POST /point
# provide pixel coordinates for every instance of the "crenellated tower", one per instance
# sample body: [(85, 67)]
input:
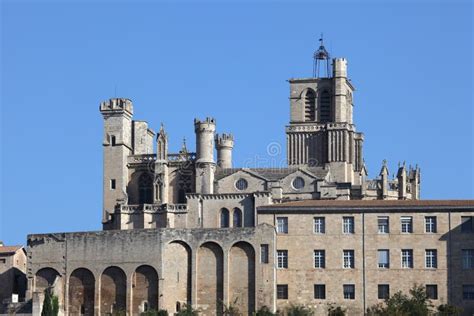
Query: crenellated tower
[(205, 165), (224, 146)]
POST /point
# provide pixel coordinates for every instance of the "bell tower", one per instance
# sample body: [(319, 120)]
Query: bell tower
[(321, 130)]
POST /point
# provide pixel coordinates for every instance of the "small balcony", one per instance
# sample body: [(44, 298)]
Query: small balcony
[(154, 208)]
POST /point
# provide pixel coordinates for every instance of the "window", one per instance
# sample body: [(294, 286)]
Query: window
[(145, 189), (112, 184), (407, 224), (319, 225), (282, 259), (468, 291), (309, 105), (325, 107), (430, 224), (432, 291), (241, 184), (113, 140), (264, 258), (349, 291), (467, 224), (431, 258), (468, 258), (224, 218), (383, 225), (282, 225), (407, 258), (384, 258), (320, 291), (3, 260), (282, 291), (348, 259), (348, 225), (298, 183), (237, 217), (319, 259), (383, 291)]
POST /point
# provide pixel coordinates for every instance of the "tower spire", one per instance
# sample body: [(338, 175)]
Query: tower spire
[(321, 57)]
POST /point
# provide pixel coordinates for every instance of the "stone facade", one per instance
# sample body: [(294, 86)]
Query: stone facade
[(184, 228), (12, 276)]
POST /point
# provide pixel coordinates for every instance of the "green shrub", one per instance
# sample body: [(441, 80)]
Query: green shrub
[(299, 310), (264, 311)]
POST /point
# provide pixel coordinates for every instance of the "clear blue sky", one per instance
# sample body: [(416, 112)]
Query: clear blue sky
[(411, 62)]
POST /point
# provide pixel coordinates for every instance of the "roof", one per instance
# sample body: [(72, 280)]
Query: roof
[(9, 249), (368, 204), (272, 174)]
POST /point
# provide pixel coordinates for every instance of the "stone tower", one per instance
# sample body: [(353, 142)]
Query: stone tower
[(117, 145), (321, 131), (205, 165), (224, 146)]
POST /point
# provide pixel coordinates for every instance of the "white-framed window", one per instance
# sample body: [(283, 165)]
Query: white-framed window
[(282, 259), (348, 224), (349, 291), (430, 224), (383, 258), (348, 259), (407, 258), (319, 259), (468, 258), (431, 258), (319, 225), (383, 224), (407, 224), (282, 225)]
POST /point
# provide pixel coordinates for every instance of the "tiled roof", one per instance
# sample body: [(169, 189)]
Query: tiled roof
[(9, 249), (345, 204)]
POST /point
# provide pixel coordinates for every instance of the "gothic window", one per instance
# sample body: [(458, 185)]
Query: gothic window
[(237, 217), (241, 184), (309, 105), (325, 107), (145, 189), (224, 218), (298, 183)]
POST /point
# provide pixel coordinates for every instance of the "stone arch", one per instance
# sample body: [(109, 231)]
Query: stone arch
[(49, 278), (81, 292), (224, 218), (210, 278), (113, 290), (177, 268), (237, 220), (145, 289), (242, 277)]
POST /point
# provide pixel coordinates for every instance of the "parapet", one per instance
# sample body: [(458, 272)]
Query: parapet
[(117, 105), (207, 125), (339, 66), (224, 140)]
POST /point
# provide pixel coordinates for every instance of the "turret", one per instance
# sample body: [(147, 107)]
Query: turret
[(342, 92), (205, 165), (224, 146), (161, 167), (402, 182), (117, 146), (205, 139), (415, 178), (384, 179)]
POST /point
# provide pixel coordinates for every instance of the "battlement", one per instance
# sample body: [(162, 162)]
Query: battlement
[(339, 66), (117, 105), (207, 125), (224, 140)]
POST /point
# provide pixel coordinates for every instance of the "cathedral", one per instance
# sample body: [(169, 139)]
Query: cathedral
[(189, 228)]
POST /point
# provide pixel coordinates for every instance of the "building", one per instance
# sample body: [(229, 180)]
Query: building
[(189, 228), (12, 275)]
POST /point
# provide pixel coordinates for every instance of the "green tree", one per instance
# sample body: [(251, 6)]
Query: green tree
[(187, 310), (153, 312), (336, 311), (50, 304), (264, 311), (448, 310), (299, 310)]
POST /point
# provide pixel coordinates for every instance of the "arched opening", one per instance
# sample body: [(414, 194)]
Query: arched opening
[(81, 292), (309, 105), (210, 278), (145, 189), (177, 264), (145, 289), (237, 217), (49, 278), (325, 107), (224, 218), (113, 289), (242, 277)]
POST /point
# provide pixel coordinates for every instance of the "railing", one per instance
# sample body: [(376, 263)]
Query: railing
[(154, 208), (141, 158), (182, 157)]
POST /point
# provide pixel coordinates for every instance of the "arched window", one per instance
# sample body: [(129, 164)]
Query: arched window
[(237, 217), (145, 189), (309, 105), (325, 107), (224, 218)]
